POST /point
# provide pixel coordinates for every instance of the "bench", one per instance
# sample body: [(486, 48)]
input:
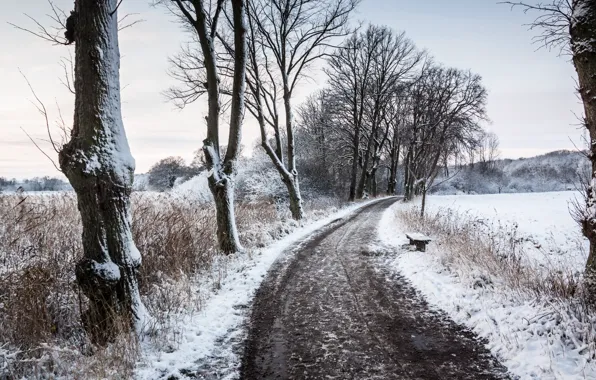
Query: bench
[(419, 240)]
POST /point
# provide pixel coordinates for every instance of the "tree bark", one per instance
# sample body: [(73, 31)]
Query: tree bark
[(355, 158), (423, 205), (583, 44), (227, 235), (100, 168), (393, 170), (364, 174), (291, 183), (373, 182)]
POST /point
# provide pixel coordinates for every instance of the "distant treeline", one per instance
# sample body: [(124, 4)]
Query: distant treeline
[(34, 184), (555, 171)]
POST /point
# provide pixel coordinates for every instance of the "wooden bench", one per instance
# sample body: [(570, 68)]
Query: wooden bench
[(419, 240)]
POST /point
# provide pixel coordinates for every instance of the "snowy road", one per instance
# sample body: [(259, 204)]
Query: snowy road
[(327, 311)]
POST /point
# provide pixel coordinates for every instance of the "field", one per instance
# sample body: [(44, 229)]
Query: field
[(542, 221), (507, 266)]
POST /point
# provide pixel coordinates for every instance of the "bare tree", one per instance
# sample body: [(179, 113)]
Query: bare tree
[(202, 17), (100, 168), (349, 71), (488, 152), (571, 25), (286, 38), (393, 64), (446, 108)]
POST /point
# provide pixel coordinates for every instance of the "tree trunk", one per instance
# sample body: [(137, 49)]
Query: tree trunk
[(583, 44), (292, 184), (408, 176), (221, 178), (373, 182), (393, 170), (423, 205), (100, 168), (364, 175), (355, 158), (227, 233), (293, 187)]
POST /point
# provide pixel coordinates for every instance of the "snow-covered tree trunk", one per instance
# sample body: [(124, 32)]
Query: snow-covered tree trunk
[(292, 182), (583, 45), (100, 167), (295, 198), (223, 195)]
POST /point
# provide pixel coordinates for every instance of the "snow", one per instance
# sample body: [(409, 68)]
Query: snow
[(417, 236), (542, 220), (196, 188), (535, 338), (223, 315), (580, 11), (107, 270)]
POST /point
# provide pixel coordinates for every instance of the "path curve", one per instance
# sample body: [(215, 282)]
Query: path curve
[(326, 310)]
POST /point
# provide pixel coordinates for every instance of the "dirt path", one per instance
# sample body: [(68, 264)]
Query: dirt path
[(326, 311)]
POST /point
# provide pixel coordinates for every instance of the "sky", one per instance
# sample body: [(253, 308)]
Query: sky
[(532, 101)]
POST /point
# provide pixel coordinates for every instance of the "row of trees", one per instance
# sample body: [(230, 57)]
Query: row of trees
[(388, 104), (33, 184)]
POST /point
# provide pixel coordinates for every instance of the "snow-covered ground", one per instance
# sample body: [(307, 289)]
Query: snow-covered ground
[(207, 340), (551, 236), (534, 338)]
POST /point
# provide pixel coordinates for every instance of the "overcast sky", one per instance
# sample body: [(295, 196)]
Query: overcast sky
[(532, 101)]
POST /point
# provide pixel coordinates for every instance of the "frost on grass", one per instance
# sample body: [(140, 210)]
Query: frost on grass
[(534, 332)]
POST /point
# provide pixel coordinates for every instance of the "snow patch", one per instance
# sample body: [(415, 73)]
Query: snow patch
[(108, 270)]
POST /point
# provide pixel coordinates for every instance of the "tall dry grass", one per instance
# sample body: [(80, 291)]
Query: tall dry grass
[(496, 249), (495, 256), (41, 334)]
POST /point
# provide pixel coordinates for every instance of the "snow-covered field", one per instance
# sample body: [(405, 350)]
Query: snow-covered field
[(535, 338), (551, 237)]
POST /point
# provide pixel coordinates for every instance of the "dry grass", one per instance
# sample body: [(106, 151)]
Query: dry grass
[(495, 255), (496, 250), (40, 329)]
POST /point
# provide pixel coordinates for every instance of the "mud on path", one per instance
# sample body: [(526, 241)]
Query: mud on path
[(327, 311)]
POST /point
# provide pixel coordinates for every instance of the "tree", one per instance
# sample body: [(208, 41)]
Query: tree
[(446, 107), (488, 152), (203, 16), (349, 79), (100, 168), (366, 75), (325, 151), (163, 174), (286, 38), (571, 25)]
